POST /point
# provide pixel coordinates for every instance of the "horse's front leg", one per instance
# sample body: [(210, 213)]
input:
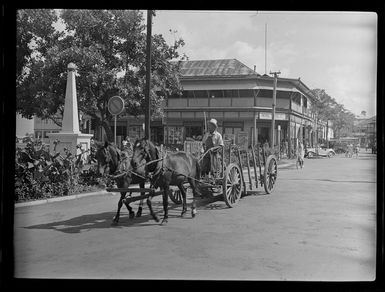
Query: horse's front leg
[(150, 208), (195, 195), (115, 220), (140, 208), (129, 208), (184, 203), (165, 205)]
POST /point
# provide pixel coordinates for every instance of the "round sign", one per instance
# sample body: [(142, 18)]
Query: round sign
[(115, 105)]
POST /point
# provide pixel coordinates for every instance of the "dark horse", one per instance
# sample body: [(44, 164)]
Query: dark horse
[(110, 160), (172, 169)]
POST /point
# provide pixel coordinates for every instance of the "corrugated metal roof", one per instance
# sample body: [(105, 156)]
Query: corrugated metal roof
[(222, 67)]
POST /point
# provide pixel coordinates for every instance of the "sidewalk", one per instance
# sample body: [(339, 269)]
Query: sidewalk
[(57, 199)]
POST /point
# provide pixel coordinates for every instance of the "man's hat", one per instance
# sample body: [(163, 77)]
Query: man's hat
[(214, 122)]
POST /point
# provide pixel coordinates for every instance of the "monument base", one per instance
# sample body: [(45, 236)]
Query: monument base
[(69, 141)]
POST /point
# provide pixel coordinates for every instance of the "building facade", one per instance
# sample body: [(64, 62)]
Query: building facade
[(365, 129), (241, 101)]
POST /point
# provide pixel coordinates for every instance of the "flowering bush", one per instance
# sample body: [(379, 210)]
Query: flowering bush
[(40, 174)]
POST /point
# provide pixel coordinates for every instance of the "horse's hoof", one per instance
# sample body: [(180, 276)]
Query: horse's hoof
[(183, 213), (193, 213), (139, 213), (115, 221), (132, 215), (164, 221), (156, 218)]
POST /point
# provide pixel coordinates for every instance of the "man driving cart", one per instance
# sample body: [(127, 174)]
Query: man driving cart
[(211, 139)]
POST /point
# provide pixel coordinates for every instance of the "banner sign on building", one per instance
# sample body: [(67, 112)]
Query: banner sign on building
[(268, 116)]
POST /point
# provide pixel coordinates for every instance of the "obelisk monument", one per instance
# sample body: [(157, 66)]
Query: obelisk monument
[(70, 136)]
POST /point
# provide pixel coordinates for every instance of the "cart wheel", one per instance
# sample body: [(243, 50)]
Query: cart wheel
[(232, 185), (270, 174), (175, 196)]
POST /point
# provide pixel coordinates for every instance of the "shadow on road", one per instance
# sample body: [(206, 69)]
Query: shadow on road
[(104, 220)]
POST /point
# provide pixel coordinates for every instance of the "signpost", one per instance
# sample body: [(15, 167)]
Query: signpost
[(115, 107)]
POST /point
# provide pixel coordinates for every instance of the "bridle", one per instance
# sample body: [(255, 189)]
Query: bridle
[(149, 160)]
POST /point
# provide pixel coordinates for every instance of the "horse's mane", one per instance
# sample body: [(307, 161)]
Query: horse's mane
[(152, 149)]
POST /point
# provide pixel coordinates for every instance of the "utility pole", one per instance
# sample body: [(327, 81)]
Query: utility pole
[(273, 108), (265, 47), (147, 114)]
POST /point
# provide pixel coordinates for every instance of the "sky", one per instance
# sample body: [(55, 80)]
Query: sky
[(334, 51)]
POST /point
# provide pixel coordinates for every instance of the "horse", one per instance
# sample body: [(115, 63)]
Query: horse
[(172, 169), (110, 159)]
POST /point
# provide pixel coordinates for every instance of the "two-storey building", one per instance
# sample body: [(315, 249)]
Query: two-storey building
[(241, 100)]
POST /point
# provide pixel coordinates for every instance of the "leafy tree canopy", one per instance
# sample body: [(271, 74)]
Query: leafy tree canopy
[(327, 108), (109, 50)]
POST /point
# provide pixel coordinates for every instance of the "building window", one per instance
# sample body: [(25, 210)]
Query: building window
[(120, 130), (135, 132), (265, 93), (200, 93), (296, 98), (283, 94), (188, 94), (216, 93), (231, 93), (195, 132), (231, 129), (305, 102), (246, 93), (175, 135), (38, 134)]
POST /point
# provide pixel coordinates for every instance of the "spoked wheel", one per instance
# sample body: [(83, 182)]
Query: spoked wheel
[(232, 185), (270, 174), (175, 196)]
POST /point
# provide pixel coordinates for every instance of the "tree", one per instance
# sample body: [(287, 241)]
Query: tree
[(324, 108), (328, 109), (35, 34), (108, 47)]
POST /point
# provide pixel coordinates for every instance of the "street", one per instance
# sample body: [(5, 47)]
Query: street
[(319, 224)]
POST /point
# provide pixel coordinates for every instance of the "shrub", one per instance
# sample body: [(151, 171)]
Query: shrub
[(40, 174)]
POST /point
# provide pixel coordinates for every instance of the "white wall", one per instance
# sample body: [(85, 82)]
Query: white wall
[(23, 126)]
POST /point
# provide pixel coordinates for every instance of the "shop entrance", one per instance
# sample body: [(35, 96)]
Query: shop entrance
[(263, 134)]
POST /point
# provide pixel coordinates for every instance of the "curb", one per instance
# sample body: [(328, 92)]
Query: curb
[(58, 199)]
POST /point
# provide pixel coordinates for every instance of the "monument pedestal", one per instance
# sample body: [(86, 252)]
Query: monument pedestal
[(70, 141)]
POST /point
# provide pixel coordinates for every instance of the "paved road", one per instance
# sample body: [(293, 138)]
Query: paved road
[(318, 224)]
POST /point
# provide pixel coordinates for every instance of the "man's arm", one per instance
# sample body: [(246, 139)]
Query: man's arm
[(220, 140)]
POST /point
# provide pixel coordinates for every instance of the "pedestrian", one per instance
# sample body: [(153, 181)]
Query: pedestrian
[(286, 148), (300, 155), (124, 143), (356, 150)]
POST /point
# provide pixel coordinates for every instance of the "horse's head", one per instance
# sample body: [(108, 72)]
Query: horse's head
[(144, 151), (107, 157)]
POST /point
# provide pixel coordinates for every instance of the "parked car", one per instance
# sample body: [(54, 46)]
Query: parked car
[(322, 151)]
